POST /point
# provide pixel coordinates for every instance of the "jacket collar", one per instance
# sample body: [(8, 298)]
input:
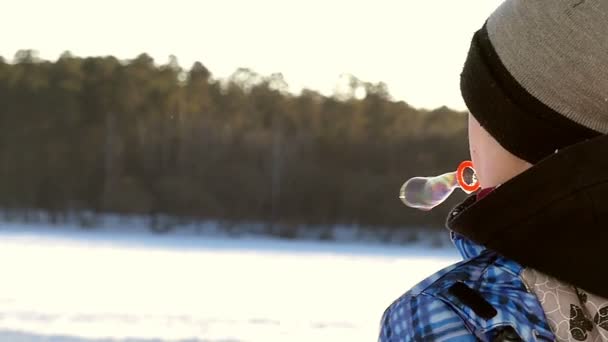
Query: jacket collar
[(467, 248)]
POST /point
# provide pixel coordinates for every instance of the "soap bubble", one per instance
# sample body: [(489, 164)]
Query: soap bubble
[(426, 193)]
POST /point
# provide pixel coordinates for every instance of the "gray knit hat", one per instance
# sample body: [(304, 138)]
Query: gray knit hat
[(537, 75)]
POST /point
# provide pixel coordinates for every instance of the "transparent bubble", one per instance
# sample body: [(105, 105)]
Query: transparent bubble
[(426, 193)]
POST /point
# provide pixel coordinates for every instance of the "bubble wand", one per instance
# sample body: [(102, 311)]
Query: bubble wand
[(426, 193)]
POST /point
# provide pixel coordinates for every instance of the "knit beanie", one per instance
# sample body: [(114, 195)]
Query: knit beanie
[(536, 76)]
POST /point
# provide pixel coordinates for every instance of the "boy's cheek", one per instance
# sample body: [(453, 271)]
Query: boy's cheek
[(493, 164), (474, 130), (479, 145)]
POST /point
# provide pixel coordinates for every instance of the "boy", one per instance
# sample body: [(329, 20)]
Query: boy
[(535, 239)]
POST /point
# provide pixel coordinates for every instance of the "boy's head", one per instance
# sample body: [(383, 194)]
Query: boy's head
[(535, 81)]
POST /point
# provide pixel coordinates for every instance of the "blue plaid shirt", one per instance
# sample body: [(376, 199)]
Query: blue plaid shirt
[(429, 312)]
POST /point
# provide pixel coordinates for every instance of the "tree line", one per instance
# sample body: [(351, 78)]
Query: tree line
[(105, 135)]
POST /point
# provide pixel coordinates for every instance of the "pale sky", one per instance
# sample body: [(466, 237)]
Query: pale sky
[(416, 47)]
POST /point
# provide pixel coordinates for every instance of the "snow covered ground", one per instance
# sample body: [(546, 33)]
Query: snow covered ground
[(66, 284)]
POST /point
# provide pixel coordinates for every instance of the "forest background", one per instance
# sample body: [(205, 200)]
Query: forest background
[(82, 137)]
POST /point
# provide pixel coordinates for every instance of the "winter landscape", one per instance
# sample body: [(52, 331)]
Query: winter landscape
[(69, 284), (223, 171)]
